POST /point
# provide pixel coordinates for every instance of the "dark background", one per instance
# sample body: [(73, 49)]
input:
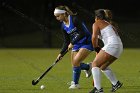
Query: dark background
[(31, 23)]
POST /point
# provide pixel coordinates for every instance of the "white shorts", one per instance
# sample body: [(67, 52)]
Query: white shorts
[(113, 49)]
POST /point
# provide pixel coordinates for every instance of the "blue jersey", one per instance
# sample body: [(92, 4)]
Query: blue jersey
[(76, 33)]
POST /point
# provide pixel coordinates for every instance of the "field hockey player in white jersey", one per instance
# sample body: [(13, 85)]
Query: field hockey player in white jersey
[(105, 28)]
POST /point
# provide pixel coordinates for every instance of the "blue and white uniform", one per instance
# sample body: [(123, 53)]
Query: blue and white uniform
[(77, 34)]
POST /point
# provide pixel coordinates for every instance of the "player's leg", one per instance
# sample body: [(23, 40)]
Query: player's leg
[(74, 84), (77, 58), (114, 54), (116, 84), (75, 50), (99, 60), (110, 75), (87, 67)]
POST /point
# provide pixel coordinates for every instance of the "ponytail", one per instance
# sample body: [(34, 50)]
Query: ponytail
[(109, 18), (69, 11)]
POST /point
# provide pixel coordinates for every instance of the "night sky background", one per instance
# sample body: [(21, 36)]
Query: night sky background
[(31, 23)]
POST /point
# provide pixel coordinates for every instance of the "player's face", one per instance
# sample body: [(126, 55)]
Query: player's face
[(59, 17)]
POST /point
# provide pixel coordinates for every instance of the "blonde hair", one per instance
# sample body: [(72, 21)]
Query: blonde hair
[(108, 14), (66, 8), (109, 18)]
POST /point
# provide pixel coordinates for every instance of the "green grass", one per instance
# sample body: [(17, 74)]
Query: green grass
[(18, 67)]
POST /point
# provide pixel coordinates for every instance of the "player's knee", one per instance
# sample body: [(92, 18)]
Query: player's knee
[(76, 62), (96, 63)]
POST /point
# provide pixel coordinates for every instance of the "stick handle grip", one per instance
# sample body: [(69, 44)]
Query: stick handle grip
[(61, 56)]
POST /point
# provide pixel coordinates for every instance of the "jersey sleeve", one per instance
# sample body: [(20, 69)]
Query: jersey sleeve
[(78, 23), (66, 41)]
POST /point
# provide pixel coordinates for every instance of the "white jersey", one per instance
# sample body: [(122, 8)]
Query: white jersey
[(112, 42), (109, 36)]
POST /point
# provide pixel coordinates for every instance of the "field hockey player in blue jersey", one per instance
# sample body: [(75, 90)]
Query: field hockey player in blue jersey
[(76, 38)]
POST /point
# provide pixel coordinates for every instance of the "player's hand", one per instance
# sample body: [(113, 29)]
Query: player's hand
[(59, 57), (96, 53), (70, 46)]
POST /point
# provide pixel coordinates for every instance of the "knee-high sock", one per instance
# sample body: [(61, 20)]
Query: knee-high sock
[(84, 66), (76, 74), (96, 77), (110, 75)]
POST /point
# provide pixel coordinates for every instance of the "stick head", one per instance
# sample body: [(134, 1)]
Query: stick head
[(35, 82)]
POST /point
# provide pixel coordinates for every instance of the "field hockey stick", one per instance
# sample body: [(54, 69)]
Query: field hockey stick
[(34, 82)]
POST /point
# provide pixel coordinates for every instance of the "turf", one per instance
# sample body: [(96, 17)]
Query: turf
[(18, 67)]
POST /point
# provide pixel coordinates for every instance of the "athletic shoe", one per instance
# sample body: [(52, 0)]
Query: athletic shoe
[(88, 72), (74, 86), (117, 86), (95, 90)]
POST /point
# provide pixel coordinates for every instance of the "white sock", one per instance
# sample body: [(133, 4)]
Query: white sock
[(96, 77), (110, 75)]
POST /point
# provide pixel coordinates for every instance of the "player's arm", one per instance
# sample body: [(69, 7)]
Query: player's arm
[(65, 45), (66, 42), (95, 33)]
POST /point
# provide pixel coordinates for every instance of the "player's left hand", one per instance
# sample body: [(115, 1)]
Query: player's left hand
[(70, 46), (59, 57)]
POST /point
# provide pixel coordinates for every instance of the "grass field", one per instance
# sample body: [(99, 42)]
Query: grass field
[(18, 67)]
